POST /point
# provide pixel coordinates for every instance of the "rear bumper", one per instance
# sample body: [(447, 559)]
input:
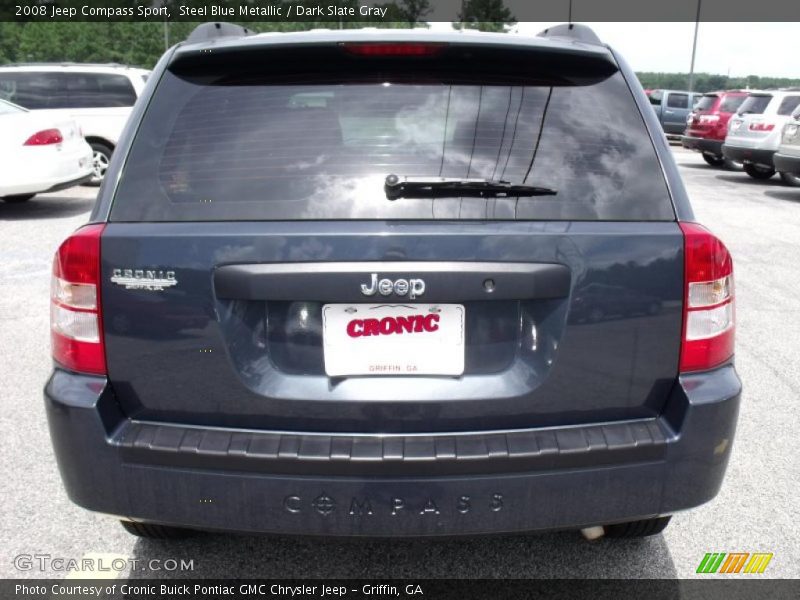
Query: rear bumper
[(749, 155), (38, 177), (787, 164), (392, 485), (704, 145)]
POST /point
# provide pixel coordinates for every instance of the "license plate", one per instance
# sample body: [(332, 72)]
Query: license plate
[(393, 339)]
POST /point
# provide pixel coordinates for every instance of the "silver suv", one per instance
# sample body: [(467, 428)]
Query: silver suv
[(754, 133), (787, 158)]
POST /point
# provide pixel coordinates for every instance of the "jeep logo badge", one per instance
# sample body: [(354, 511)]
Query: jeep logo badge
[(401, 287)]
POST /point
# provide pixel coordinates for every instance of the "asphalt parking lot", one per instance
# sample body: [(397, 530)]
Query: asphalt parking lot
[(755, 511)]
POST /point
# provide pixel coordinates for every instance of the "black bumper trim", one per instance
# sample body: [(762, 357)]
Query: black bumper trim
[(391, 455), (749, 155), (703, 145)]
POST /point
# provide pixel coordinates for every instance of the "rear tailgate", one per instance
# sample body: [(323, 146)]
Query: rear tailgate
[(250, 238)]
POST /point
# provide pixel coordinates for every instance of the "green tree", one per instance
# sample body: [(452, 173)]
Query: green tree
[(709, 82), (484, 15), (409, 12)]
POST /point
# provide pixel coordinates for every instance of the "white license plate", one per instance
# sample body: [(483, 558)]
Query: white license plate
[(393, 339)]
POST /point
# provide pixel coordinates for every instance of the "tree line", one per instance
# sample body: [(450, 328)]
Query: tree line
[(709, 82)]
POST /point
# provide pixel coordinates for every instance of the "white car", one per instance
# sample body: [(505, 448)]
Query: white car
[(754, 132), (99, 97), (40, 152)]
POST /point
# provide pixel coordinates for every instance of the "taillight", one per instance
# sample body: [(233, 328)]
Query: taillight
[(708, 313), (762, 126), (392, 48), (76, 324), (45, 138)]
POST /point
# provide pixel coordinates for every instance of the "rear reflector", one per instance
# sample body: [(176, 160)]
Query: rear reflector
[(45, 138), (75, 317), (708, 317), (392, 49)]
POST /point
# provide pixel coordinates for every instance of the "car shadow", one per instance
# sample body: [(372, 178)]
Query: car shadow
[(706, 167), (559, 555), (747, 180), (693, 165), (64, 205), (790, 194)]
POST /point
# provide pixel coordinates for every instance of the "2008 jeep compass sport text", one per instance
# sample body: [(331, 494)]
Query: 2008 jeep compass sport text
[(393, 283)]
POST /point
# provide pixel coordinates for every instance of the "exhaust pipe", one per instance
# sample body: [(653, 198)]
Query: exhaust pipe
[(593, 533)]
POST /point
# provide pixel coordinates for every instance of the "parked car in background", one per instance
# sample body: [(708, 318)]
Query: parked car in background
[(40, 152), (707, 125), (361, 300), (754, 133), (787, 158), (100, 97), (672, 108)]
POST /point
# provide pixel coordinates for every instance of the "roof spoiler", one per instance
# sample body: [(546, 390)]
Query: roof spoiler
[(209, 31), (572, 31)]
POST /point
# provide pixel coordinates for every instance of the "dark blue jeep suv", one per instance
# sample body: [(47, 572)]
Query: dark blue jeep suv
[(392, 283)]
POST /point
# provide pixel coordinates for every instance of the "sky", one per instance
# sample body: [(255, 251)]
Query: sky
[(738, 49)]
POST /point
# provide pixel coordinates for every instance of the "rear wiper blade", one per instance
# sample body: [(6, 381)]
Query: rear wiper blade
[(442, 187)]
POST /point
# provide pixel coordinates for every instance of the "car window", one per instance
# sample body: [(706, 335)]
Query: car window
[(677, 100), (788, 105), (96, 90), (51, 89), (755, 104), (272, 149), (731, 103), (655, 97), (706, 102), (31, 90)]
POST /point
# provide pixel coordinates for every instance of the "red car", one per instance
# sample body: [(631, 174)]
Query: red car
[(708, 124)]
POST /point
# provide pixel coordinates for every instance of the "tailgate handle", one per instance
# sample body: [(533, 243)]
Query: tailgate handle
[(442, 281)]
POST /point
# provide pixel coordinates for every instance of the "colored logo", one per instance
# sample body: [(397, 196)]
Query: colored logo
[(734, 562)]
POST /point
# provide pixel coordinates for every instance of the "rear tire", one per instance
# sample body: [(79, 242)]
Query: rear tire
[(757, 172), (714, 161), (101, 155), (637, 529), (790, 179), (18, 199), (156, 532)]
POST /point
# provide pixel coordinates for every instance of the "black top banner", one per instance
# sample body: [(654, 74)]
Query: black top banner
[(379, 12)]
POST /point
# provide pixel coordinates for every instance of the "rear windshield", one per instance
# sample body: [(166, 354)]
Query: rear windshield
[(788, 105), (754, 105), (706, 103), (252, 147), (731, 104), (55, 89)]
